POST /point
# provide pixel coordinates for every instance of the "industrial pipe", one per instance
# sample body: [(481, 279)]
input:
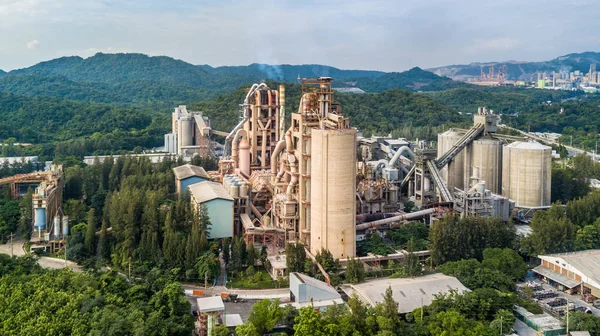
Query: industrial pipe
[(294, 175), (278, 148), (234, 149), (281, 111), (244, 106), (399, 152), (403, 217)]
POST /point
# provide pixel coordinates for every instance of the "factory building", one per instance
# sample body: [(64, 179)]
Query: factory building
[(573, 271), (187, 175), (410, 293), (305, 291), (219, 204), (190, 133), (490, 165)]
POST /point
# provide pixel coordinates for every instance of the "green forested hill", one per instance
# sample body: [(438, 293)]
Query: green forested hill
[(414, 79), (379, 113), (290, 73), (503, 100), (145, 93)]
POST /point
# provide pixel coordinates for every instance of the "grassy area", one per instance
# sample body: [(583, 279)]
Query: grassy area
[(259, 280)]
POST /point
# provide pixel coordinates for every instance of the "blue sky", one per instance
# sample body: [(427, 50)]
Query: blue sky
[(390, 35)]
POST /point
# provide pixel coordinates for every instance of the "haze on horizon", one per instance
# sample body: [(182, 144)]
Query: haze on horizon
[(388, 35)]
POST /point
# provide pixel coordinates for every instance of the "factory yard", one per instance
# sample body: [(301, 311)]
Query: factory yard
[(46, 262)]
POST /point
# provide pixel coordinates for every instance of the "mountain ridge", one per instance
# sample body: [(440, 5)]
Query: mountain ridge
[(521, 69)]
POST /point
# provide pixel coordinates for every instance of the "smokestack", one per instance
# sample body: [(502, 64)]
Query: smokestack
[(281, 111)]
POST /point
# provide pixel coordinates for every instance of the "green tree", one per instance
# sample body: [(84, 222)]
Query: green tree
[(388, 320), (411, 264), (473, 275), (584, 322), (551, 232), (355, 271), (455, 238), (90, 233), (226, 246), (505, 260), (452, 323), (263, 317), (311, 323), (295, 257), (325, 258), (503, 322)]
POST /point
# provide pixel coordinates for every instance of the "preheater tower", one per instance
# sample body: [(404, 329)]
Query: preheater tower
[(333, 208)]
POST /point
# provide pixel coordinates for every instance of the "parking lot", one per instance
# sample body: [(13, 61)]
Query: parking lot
[(555, 301)]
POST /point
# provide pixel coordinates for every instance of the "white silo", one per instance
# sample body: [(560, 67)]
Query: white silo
[(527, 171)]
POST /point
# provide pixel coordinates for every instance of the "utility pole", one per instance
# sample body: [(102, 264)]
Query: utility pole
[(129, 268), (567, 317), (11, 244), (501, 321), (66, 266), (205, 279)]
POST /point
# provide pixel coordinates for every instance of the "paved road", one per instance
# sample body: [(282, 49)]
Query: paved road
[(17, 248), (46, 262), (572, 150)]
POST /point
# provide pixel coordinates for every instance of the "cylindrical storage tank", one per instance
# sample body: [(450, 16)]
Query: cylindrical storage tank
[(234, 190), (65, 226), (244, 156), (186, 131), (486, 163), (333, 184), (56, 227), (40, 218), (526, 171), (244, 190), (453, 172)]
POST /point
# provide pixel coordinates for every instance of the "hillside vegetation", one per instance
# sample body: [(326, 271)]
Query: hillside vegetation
[(504, 100)]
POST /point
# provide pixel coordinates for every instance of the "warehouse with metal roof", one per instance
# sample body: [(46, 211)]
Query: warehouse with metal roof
[(410, 293)]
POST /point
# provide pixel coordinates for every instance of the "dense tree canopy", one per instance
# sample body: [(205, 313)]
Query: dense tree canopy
[(34, 301)]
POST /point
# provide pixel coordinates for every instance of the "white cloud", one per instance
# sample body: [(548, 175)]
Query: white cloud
[(32, 44)]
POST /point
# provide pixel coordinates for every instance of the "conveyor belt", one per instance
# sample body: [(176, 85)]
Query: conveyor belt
[(439, 183), (460, 145)]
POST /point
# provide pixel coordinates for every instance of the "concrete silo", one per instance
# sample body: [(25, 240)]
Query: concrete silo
[(453, 173), (333, 188), (485, 157), (526, 173)]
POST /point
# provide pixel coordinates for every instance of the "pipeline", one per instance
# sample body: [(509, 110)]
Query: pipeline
[(293, 164), (399, 152), (278, 148), (403, 217), (244, 106), (234, 146), (294, 175)]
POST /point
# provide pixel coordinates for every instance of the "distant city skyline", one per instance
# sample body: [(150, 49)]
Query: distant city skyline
[(387, 35)]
